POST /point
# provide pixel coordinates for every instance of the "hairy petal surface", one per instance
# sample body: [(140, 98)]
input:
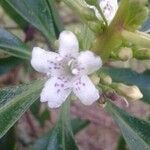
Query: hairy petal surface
[(55, 91), (68, 44), (41, 58), (88, 62), (85, 90)]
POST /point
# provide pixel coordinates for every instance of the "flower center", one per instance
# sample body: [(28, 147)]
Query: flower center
[(71, 67)]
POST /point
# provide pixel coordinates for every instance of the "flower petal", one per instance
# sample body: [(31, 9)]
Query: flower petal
[(88, 62), (45, 61), (55, 91), (68, 44), (109, 8), (85, 90)]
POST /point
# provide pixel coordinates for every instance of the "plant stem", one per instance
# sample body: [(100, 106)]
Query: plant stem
[(64, 120), (64, 116)]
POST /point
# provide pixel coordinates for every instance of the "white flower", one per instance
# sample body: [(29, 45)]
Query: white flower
[(109, 9), (69, 71)]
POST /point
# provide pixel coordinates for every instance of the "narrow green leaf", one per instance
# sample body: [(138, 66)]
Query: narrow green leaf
[(6, 64), (41, 117), (10, 44), (14, 15), (8, 142), (78, 124), (37, 13), (134, 130), (55, 16), (15, 101), (86, 37), (61, 137), (130, 77), (121, 144), (8, 93)]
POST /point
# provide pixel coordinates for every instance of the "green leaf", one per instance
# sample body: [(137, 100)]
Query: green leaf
[(6, 64), (37, 13), (41, 117), (78, 124), (134, 130), (14, 101), (86, 37), (14, 15), (8, 142), (121, 144), (58, 26), (10, 44), (130, 77), (61, 137)]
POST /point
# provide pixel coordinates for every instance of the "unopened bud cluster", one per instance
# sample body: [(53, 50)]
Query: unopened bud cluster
[(131, 92)]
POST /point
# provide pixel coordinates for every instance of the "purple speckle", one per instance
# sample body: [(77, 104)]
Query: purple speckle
[(56, 84), (83, 84), (59, 78), (58, 91), (62, 85)]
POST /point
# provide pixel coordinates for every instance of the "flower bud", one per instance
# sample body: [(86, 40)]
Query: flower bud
[(95, 79), (143, 54), (106, 80), (131, 92), (125, 53)]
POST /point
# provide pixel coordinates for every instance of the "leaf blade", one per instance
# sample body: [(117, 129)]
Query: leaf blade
[(6, 64), (36, 13), (12, 109), (61, 136), (133, 129), (16, 17), (11, 44)]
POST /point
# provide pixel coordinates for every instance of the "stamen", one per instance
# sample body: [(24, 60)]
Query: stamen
[(70, 62)]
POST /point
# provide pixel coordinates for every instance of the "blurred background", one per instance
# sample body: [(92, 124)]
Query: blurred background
[(99, 133)]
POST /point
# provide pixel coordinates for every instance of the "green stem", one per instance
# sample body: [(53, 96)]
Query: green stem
[(136, 38), (64, 116)]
